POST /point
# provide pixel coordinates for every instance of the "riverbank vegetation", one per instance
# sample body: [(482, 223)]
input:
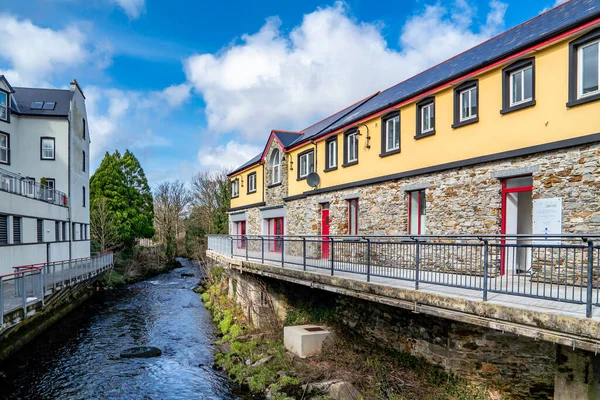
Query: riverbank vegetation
[(257, 360)]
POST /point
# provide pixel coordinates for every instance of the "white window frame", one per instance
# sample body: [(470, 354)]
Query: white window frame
[(332, 154), (235, 188), (511, 83), (306, 164), (429, 120), (276, 167), (29, 186), (471, 92), (50, 188), (43, 149), (352, 143), (5, 148), (580, 94), (396, 134), (4, 106), (353, 212), (252, 183)]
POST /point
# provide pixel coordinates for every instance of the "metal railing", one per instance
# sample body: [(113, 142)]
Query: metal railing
[(562, 268), (17, 184), (30, 284)]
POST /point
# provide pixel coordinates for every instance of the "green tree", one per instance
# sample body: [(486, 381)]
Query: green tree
[(141, 205), (121, 183)]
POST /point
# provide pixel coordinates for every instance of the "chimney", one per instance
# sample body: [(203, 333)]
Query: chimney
[(75, 86)]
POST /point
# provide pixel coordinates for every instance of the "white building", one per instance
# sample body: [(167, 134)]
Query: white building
[(44, 175)]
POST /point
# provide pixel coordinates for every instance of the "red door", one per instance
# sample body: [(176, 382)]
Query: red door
[(241, 231), (325, 231), (276, 230)]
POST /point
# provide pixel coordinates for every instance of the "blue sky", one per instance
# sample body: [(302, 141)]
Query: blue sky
[(190, 86)]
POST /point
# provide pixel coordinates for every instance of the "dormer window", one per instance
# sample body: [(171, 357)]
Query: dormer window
[(276, 167), (4, 106)]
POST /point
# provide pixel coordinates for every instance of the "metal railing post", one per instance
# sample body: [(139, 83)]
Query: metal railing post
[(262, 250), (43, 285), (23, 295), (231, 237), (417, 261), (332, 255), (246, 243), (368, 260), (54, 276), (590, 279), (304, 253), (282, 253), (1, 305), (485, 269)]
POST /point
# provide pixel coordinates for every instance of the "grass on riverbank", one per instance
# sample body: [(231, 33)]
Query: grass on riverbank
[(259, 362)]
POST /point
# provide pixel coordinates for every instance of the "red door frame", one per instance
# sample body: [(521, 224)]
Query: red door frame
[(275, 233), (241, 232), (325, 230), (418, 192), (505, 192)]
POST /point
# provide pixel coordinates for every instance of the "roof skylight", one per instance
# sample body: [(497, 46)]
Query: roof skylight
[(37, 105), (49, 105)]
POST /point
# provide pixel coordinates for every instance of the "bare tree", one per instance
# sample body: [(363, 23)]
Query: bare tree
[(170, 202), (211, 195), (103, 227)]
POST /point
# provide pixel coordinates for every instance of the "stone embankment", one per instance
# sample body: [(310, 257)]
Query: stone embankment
[(250, 315)]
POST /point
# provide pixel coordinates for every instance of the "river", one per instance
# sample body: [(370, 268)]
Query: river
[(78, 357)]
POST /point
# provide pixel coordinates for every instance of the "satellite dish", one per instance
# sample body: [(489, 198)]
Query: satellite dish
[(313, 179)]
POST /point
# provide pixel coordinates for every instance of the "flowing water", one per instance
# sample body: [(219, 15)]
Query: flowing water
[(78, 357)]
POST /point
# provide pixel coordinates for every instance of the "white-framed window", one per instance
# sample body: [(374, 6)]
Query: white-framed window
[(49, 189), (3, 106), (427, 118), (235, 188), (252, 182), (4, 149), (468, 104), (417, 207), (353, 217), (352, 147), (29, 186), (306, 164), (521, 85), (47, 149), (392, 133), (276, 166), (588, 69), (332, 154)]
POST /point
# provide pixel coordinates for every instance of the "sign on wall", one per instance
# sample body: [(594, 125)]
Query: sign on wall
[(547, 219)]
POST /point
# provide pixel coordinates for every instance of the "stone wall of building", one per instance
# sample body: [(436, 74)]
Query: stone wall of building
[(274, 193)]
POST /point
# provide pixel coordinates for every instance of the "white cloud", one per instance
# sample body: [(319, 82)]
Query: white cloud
[(271, 79), (133, 8), (231, 155), (36, 54)]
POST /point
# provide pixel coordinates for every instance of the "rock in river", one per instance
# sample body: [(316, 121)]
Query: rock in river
[(141, 352)]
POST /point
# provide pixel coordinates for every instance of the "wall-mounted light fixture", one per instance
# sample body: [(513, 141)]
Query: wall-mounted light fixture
[(242, 181), (291, 164), (368, 137)]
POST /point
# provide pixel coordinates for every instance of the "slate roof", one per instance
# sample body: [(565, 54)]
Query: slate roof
[(551, 23), (25, 96), (286, 137), (247, 164)]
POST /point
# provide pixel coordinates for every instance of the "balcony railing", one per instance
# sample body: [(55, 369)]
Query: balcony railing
[(562, 268), (30, 284), (17, 184)]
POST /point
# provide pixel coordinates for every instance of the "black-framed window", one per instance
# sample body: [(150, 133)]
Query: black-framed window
[(3, 229), (47, 148), (4, 148), (390, 133), (83, 160), (518, 85), (4, 106), (351, 147), (584, 69), (251, 182), (17, 224), (306, 163), (73, 230), (56, 231), (466, 103), (425, 117), (40, 230), (65, 235), (83, 130), (49, 189), (235, 188), (331, 154), (83, 195)]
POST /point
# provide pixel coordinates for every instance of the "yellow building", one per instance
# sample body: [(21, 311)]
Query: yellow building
[(475, 144)]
